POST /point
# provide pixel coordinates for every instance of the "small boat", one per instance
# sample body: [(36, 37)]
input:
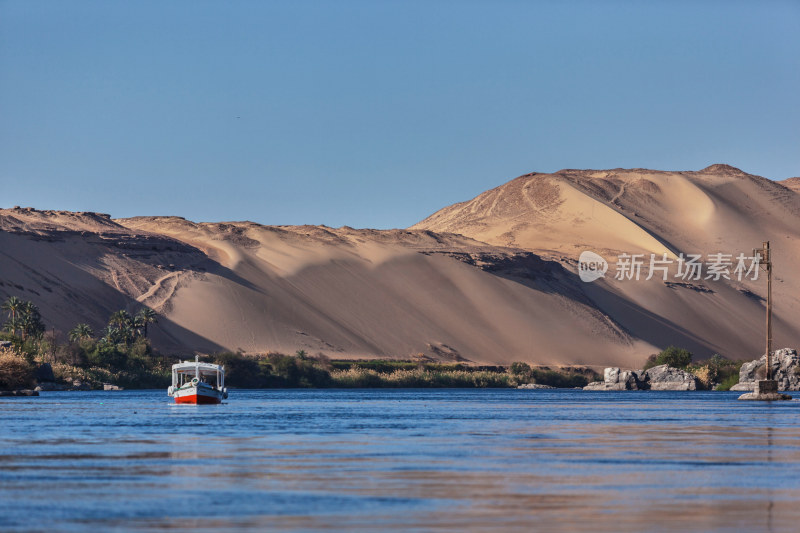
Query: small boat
[(197, 383)]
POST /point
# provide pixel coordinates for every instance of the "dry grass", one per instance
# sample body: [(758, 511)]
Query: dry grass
[(420, 378), (704, 376), (16, 372)]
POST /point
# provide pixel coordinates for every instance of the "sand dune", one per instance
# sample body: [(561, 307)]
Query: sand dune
[(719, 209), (342, 292), (491, 280)]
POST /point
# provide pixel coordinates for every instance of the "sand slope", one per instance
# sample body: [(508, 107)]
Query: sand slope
[(342, 292), (491, 280), (719, 209), (791, 183)]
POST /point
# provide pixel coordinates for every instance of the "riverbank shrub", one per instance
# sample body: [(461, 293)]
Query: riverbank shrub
[(275, 370), (672, 356), (560, 380), (569, 378), (728, 382), (420, 378), (716, 371), (16, 370)]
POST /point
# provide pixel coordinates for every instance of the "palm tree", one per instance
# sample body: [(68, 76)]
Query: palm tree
[(145, 316), (80, 332), (111, 335), (128, 333), (30, 320), (13, 305), (120, 319), (12, 325)]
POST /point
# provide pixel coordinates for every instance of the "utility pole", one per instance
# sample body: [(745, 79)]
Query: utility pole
[(766, 263), (766, 389)]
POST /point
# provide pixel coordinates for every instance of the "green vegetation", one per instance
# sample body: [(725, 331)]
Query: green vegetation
[(672, 356), (301, 370), (23, 317), (728, 382), (273, 370), (719, 370), (421, 378), (524, 373), (122, 355), (384, 366)]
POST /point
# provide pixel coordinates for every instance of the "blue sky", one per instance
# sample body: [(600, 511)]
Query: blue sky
[(378, 113)]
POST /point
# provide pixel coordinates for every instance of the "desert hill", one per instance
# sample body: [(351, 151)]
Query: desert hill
[(719, 209), (342, 292), (490, 280), (791, 183)]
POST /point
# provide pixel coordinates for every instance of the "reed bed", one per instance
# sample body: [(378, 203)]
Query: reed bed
[(420, 378)]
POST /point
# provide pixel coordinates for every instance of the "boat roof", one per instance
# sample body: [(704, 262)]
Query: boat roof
[(192, 366)]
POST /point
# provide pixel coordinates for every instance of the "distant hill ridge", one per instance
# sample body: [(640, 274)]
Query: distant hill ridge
[(489, 280)]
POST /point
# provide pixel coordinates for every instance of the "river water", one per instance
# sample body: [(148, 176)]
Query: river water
[(402, 460)]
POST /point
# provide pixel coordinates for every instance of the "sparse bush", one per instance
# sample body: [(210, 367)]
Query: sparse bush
[(103, 354), (520, 369), (728, 382), (672, 356), (704, 376), (240, 370), (559, 380), (724, 370)]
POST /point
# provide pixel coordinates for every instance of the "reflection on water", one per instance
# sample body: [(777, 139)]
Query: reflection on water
[(400, 460)]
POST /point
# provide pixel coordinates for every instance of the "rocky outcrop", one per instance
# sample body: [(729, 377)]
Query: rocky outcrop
[(534, 386), (665, 377), (785, 370), (615, 379), (20, 392), (48, 386), (662, 377), (80, 385)]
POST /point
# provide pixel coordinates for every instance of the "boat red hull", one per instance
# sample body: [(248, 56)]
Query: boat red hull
[(197, 399)]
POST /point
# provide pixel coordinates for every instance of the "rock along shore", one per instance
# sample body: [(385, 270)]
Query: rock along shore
[(785, 370), (661, 377), (20, 392)]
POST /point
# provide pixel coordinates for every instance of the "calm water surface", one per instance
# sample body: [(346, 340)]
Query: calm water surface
[(405, 460)]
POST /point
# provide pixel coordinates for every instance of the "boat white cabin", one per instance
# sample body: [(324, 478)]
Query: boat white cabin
[(194, 382)]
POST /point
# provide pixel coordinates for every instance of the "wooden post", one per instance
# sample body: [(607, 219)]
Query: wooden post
[(766, 389), (765, 262), (768, 266)]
